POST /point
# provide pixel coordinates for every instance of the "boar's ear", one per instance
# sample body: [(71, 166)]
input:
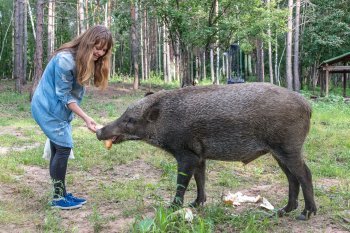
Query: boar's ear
[(149, 93), (152, 113)]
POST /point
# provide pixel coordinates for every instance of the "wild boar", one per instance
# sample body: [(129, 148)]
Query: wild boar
[(231, 123)]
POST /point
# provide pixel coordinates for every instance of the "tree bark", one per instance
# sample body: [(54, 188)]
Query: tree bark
[(81, 16), (31, 18), (270, 48), (19, 75), (87, 13), (204, 66), (212, 72), (51, 28), (142, 49), (109, 10), (260, 60), (25, 43), (38, 55), (134, 44), (217, 76), (289, 75), (296, 77), (185, 68), (165, 56)]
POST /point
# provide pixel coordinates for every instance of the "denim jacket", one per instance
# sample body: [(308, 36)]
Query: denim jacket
[(57, 88)]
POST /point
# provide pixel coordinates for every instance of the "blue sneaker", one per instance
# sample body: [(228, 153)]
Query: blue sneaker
[(72, 198), (64, 204)]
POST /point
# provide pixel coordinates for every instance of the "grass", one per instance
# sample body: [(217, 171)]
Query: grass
[(136, 181)]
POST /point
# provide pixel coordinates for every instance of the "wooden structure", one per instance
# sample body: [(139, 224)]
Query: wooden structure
[(330, 66)]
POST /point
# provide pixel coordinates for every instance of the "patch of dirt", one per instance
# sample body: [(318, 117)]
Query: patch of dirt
[(5, 150), (37, 179), (17, 132)]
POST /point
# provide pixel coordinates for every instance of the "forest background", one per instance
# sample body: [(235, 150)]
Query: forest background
[(282, 42), (166, 44)]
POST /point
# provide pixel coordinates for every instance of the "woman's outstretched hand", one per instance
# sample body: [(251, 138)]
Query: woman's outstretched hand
[(91, 124)]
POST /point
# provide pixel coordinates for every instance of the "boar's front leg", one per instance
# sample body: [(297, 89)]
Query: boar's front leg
[(186, 164)]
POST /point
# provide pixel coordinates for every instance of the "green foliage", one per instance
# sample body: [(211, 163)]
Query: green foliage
[(205, 221), (325, 35), (6, 32)]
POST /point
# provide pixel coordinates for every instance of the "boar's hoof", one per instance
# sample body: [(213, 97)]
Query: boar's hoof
[(281, 212), (305, 215), (288, 208), (174, 207), (176, 204), (196, 204)]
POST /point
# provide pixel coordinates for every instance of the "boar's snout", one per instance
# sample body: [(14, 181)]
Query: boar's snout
[(99, 134)]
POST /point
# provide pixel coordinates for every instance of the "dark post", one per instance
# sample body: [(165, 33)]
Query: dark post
[(344, 84)]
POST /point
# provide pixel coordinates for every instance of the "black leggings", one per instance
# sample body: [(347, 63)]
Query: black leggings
[(58, 168)]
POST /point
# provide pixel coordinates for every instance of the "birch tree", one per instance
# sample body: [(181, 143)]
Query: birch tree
[(81, 16), (51, 27), (296, 76), (289, 74), (270, 45), (134, 44)]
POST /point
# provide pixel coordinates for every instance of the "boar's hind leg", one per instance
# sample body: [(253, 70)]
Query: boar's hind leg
[(301, 172), (294, 187), (199, 176), (186, 164)]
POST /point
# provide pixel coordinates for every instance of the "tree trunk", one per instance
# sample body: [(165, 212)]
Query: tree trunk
[(142, 48), (81, 16), (296, 48), (159, 61), (146, 45), (250, 68), (38, 56), (204, 66), (277, 82), (109, 17), (31, 18), (177, 60), (87, 13), (185, 68), (212, 72), (289, 75), (217, 76), (25, 44), (260, 60), (51, 28), (19, 7), (270, 49), (168, 63), (134, 45), (217, 79)]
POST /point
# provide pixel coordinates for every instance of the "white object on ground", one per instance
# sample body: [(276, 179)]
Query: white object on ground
[(186, 213), (266, 204), (237, 198), (47, 151)]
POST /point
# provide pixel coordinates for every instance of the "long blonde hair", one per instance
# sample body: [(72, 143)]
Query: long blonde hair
[(82, 47)]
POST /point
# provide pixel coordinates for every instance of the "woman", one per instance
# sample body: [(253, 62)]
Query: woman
[(58, 95)]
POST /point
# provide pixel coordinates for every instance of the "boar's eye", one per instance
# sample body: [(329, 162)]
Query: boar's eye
[(130, 122)]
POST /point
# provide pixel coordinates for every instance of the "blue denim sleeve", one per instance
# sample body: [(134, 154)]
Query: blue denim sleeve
[(64, 78)]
